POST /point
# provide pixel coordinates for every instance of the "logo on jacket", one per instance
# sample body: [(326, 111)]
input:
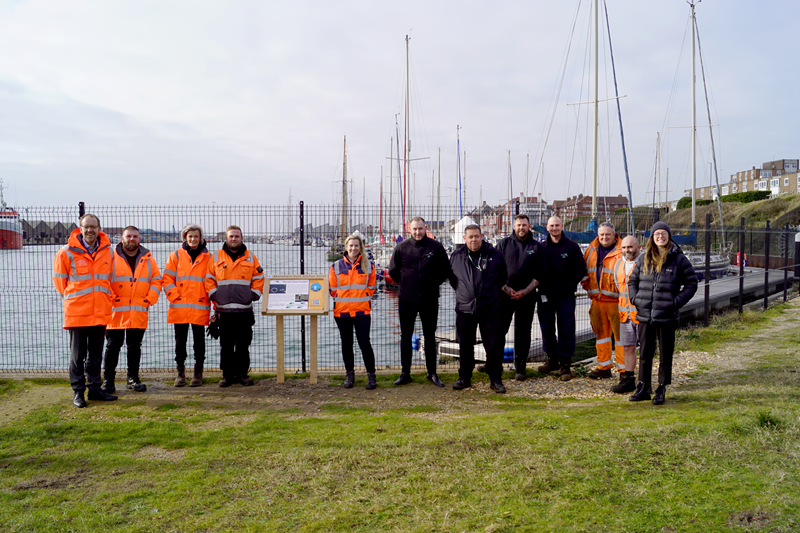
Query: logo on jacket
[(564, 256), (428, 254), (530, 252)]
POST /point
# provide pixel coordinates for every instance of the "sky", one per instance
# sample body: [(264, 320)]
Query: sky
[(248, 102)]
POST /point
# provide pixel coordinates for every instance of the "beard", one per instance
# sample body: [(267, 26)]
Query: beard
[(130, 246)]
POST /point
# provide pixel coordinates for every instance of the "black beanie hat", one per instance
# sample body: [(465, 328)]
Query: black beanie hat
[(661, 225)]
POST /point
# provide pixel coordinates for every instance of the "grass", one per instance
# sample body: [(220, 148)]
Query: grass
[(722, 455)]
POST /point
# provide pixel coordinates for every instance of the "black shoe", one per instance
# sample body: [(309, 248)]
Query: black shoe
[(520, 376), (371, 384), (462, 384), (626, 384), (658, 397), (78, 400), (642, 393), (98, 395), (247, 381), (225, 382), (481, 368), (108, 386), (403, 379), (600, 374), (136, 385), (497, 386), (434, 378), (349, 380)]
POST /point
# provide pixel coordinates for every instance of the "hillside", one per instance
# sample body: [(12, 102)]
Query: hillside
[(778, 211)]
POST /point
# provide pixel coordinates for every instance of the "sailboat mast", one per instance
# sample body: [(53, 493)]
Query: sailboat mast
[(658, 163), (439, 188), (458, 157), (344, 189), (406, 147), (380, 210), (595, 125), (391, 181), (694, 130)]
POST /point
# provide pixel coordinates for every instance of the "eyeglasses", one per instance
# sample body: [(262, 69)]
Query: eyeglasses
[(90, 227), (660, 234)]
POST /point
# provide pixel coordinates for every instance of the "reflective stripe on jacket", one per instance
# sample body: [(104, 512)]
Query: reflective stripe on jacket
[(626, 308), (184, 286), (83, 281), (134, 292), (607, 290), (234, 285), (352, 286)]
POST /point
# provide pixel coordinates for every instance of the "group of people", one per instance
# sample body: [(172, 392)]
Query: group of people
[(635, 299), (108, 292)]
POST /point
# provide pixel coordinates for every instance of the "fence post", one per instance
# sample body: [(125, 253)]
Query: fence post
[(81, 209), (302, 271), (766, 268), (516, 207), (796, 256), (786, 263), (741, 266), (708, 270)]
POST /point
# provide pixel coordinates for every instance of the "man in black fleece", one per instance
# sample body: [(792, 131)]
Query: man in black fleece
[(526, 265), (478, 274), (565, 269), (419, 265)]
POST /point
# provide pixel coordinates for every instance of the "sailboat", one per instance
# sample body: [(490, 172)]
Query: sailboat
[(336, 251)]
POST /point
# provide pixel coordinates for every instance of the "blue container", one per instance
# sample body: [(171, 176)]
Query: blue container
[(508, 354), (415, 342)]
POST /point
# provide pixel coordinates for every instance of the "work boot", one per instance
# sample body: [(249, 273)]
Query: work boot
[(246, 380), (433, 377), (549, 366), (658, 397), (371, 384), (197, 379), (100, 396), (462, 383), (481, 368), (135, 384), (349, 380), (180, 381), (226, 382), (78, 400), (403, 379), (600, 374), (627, 383), (520, 374), (566, 373), (108, 386), (497, 386), (642, 393)]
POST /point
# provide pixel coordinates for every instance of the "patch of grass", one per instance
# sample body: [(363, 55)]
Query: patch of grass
[(765, 419), (417, 409), (11, 385), (167, 407), (725, 327), (340, 409)]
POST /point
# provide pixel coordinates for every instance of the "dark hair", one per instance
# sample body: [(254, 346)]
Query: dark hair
[(134, 228), (472, 226), (418, 219), (522, 216)]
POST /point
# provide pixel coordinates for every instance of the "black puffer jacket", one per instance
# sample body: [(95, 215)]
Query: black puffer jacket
[(493, 277), (659, 296)]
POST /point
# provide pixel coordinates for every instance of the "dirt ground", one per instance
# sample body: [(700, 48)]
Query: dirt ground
[(305, 399)]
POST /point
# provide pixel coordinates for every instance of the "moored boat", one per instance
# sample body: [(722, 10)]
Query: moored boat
[(10, 226)]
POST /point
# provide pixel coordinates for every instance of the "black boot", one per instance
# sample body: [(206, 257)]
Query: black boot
[(462, 383), (404, 378), (642, 393), (349, 380), (497, 386), (627, 383), (135, 384), (78, 400), (658, 398), (180, 381), (433, 377), (108, 386), (371, 384)]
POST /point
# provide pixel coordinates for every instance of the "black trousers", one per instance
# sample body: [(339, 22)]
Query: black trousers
[(493, 339), (558, 314), (85, 356), (523, 311), (428, 311), (648, 335), (235, 336), (199, 343), (361, 324), (115, 338)]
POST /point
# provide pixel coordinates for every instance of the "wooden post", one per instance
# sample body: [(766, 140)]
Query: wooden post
[(279, 338), (313, 376)]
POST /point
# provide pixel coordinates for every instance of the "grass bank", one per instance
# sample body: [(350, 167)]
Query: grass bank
[(721, 455)]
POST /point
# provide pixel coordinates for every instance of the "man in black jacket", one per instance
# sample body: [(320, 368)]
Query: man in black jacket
[(478, 274), (565, 269), (526, 265), (419, 265)]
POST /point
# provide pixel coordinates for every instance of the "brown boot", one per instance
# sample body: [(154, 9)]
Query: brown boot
[(197, 379), (549, 366), (180, 381)]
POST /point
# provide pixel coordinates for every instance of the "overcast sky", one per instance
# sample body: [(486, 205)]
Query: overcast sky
[(236, 102)]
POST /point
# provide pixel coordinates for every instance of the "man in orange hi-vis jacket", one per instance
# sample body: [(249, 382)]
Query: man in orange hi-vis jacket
[(600, 257)]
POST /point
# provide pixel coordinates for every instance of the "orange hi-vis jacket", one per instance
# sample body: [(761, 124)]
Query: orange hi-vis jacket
[(184, 285), (352, 286), (234, 286), (599, 281), (84, 281), (134, 292), (626, 308)]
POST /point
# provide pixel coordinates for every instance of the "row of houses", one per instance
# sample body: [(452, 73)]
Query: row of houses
[(779, 177)]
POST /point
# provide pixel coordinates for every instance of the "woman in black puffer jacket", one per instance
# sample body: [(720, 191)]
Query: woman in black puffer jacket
[(662, 282)]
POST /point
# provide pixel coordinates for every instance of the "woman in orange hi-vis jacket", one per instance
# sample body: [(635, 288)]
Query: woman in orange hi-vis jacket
[(351, 281), (184, 285)]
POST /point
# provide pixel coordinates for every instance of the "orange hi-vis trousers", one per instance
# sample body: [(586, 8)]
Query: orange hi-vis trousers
[(605, 322)]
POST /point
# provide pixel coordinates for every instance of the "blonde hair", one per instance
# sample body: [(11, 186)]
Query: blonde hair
[(654, 256), (360, 242), (192, 227)]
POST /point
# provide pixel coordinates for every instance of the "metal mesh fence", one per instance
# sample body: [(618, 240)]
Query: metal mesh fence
[(31, 309)]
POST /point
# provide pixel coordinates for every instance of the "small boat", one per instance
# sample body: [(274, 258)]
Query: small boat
[(10, 226), (720, 260)]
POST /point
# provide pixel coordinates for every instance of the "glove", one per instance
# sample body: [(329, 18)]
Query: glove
[(213, 328)]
